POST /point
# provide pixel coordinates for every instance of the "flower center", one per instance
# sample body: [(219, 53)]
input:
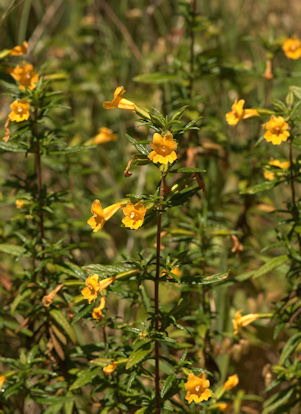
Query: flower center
[(197, 388), (28, 76), (19, 110), (277, 130), (132, 215)]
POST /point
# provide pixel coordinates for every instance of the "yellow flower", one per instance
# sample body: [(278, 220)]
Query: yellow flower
[(20, 203), (223, 407), (104, 283), (100, 215), (175, 272), (2, 380), (104, 135), (270, 175), (197, 388), (25, 76), (276, 130), (90, 292), (97, 312), (238, 112), (240, 321), (19, 50), (109, 369), (118, 101), (134, 215), (20, 110), (292, 48), (231, 382), (94, 287), (163, 147)]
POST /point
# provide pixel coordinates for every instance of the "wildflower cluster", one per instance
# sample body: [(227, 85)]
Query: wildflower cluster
[(150, 253)]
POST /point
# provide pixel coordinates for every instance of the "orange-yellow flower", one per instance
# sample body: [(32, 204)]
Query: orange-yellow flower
[(19, 50), (238, 112), (2, 380), (270, 175), (101, 215), (97, 312), (163, 147), (223, 407), (175, 272), (276, 130), (104, 135), (134, 215), (20, 203), (25, 76), (240, 321), (104, 283), (19, 110), (197, 388), (118, 101), (90, 292), (109, 369), (292, 48), (231, 382)]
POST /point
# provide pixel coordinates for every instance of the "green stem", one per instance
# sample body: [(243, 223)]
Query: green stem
[(40, 185), (295, 211), (38, 169), (156, 299), (192, 43)]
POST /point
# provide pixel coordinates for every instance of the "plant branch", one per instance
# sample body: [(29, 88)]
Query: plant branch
[(295, 211), (192, 43), (156, 297)]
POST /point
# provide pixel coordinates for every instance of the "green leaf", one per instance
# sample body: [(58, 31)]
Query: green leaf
[(157, 78), (107, 270), (139, 354), (139, 147), (53, 409), (52, 400), (18, 299), (168, 384), (70, 149), (281, 398), (290, 347), (141, 410), (266, 185), (84, 378), (8, 146), (4, 53), (296, 91), (62, 321), (12, 249), (205, 280), (68, 407), (184, 195), (188, 170), (179, 113), (269, 266)]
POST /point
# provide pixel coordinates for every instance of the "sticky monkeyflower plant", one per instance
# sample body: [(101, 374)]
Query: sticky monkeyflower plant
[(282, 131), (145, 344), (150, 257), (35, 241)]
